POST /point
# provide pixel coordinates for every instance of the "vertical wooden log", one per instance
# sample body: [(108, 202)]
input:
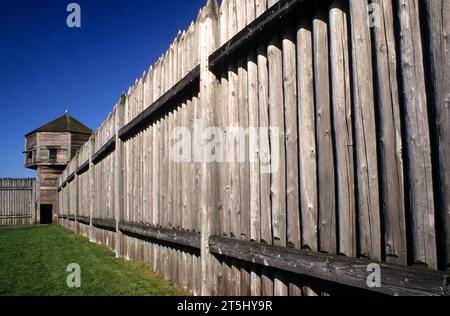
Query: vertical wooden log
[(197, 149), (307, 142), (291, 141), (390, 137), (145, 179), (276, 116), (244, 166), (170, 172), (342, 125), (308, 159), (76, 193), (157, 183), (209, 188), (222, 112), (225, 214), (324, 134), (264, 149), (118, 176), (233, 117), (365, 133), (438, 33), (277, 144), (419, 169), (167, 192), (266, 211), (253, 115), (91, 187), (292, 150)]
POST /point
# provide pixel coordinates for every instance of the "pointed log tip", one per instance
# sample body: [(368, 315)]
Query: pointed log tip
[(211, 10), (199, 16), (224, 5)]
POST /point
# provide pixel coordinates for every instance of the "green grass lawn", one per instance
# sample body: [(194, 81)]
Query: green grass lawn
[(33, 262)]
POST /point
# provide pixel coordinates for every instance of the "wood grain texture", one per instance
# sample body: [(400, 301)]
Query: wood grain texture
[(365, 133), (438, 32), (390, 138), (353, 272), (418, 150), (307, 142), (342, 125), (326, 187)]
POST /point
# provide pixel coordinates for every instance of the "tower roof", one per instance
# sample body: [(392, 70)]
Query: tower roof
[(65, 123)]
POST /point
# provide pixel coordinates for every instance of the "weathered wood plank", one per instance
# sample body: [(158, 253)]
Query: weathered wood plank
[(307, 141), (365, 133), (390, 137), (104, 151), (104, 223), (209, 190), (438, 34), (255, 197), (278, 149), (277, 144), (291, 140), (396, 280), (83, 168), (342, 125), (174, 236), (418, 151), (326, 189)]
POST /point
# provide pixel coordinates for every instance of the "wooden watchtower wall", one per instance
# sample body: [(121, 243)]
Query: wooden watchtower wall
[(17, 202), (362, 141)]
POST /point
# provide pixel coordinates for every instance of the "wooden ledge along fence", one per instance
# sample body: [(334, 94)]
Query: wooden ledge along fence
[(362, 152), (17, 202)]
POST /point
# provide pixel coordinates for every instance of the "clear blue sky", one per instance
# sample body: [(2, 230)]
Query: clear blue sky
[(46, 67)]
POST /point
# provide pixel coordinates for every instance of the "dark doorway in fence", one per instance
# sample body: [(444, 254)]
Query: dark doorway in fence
[(46, 214)]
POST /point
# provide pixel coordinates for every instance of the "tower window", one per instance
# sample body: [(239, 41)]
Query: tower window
[(53, 154), (30, 157)]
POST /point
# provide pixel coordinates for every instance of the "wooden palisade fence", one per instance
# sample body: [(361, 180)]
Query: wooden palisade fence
[(358, 119), (17, 202)]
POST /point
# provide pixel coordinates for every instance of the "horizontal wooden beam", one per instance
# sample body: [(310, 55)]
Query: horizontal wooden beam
[(71, 218), (164, 103), (395, 280), (109, 224), (14, 216), (177, 237), (84, 220), (83, 168), (15, 189), (103, 152), (264, 24), (71, 177)]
